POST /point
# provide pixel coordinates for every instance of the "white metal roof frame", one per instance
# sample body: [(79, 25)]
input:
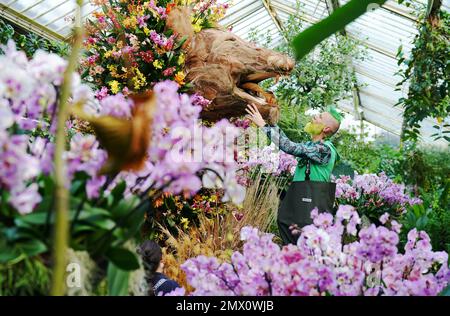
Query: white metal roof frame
[(381, 31)]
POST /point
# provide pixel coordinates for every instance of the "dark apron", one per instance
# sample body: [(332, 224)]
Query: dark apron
[(300, 199)]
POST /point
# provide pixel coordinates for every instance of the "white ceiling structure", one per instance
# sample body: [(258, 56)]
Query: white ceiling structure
[(382, 31)]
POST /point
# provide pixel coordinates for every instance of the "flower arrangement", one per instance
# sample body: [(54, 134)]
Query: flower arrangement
[(206, 13), (185, 156), (323, 264), (129, 48), (28, 93), (271, 161), (373, 195), (256, 158), (106, 210), (28, 102)]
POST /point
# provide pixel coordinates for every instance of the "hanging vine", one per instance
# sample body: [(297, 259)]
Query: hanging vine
[(428, 73)]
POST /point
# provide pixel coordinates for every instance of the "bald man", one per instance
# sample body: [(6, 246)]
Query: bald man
[(319, 151), (321, 154)]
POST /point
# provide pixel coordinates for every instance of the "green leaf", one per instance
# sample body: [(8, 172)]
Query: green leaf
[(180, 43), (49, 185), (101, 222), (31, 219), (46, 204), (117, 281), (83, 228), (93, 211), (171, 222), (422, 223), (32, 247), (29, 248), (123, 207), (8, 254), (132, 225), (169, 56), (109, 200), (123, 258), (304, 42), (117, 192), (446, 291), (76, 186)]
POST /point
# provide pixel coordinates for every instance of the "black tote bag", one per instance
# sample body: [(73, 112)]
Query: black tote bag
[(300, 199)]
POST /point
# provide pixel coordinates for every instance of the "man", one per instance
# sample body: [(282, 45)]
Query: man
[(319, 152)]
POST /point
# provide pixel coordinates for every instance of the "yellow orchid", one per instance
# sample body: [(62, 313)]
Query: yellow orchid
[(198, 25), (184, 2), (130, 22), (112, 68), (181, 59), (179, 77), (139, 80), (108, 54), (158, 64), (185, 222), (115, 86)]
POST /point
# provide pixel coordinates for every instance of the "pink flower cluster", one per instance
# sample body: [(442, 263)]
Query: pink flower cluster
[(201, 7), (322, 263), (270, 161), (161, 41), (85, 155), (161, 11), (374, 195), (183, 155), (181, 150), (18, 168), (197, 99), (28, 102), (116, 105), (372, 184)]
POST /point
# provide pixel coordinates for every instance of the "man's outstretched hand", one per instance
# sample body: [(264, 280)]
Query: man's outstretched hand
[(254, 115)]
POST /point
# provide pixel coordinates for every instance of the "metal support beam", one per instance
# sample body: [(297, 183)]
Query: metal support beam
[(333, 5), (240, 17), (290, 10), (28, 24), (399, 12), (275, 18)]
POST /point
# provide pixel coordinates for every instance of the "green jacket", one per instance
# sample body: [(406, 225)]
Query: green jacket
[(322, 155), (319, 172)]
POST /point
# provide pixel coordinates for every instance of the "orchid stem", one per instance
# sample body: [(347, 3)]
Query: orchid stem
[(61, 231)]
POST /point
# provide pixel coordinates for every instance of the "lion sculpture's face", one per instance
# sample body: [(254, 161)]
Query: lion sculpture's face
[(226, 70)]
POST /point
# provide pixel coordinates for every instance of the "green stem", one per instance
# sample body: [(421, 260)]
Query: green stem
[(61, 234)]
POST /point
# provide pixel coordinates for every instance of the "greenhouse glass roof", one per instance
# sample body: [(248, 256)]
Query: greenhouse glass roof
[(382, 31)]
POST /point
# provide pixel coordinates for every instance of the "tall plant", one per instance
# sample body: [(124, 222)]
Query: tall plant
[(61, 231), (428, 73), (320, 78), (323, 76)]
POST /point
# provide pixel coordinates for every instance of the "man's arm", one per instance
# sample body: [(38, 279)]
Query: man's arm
[(316, 152)]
